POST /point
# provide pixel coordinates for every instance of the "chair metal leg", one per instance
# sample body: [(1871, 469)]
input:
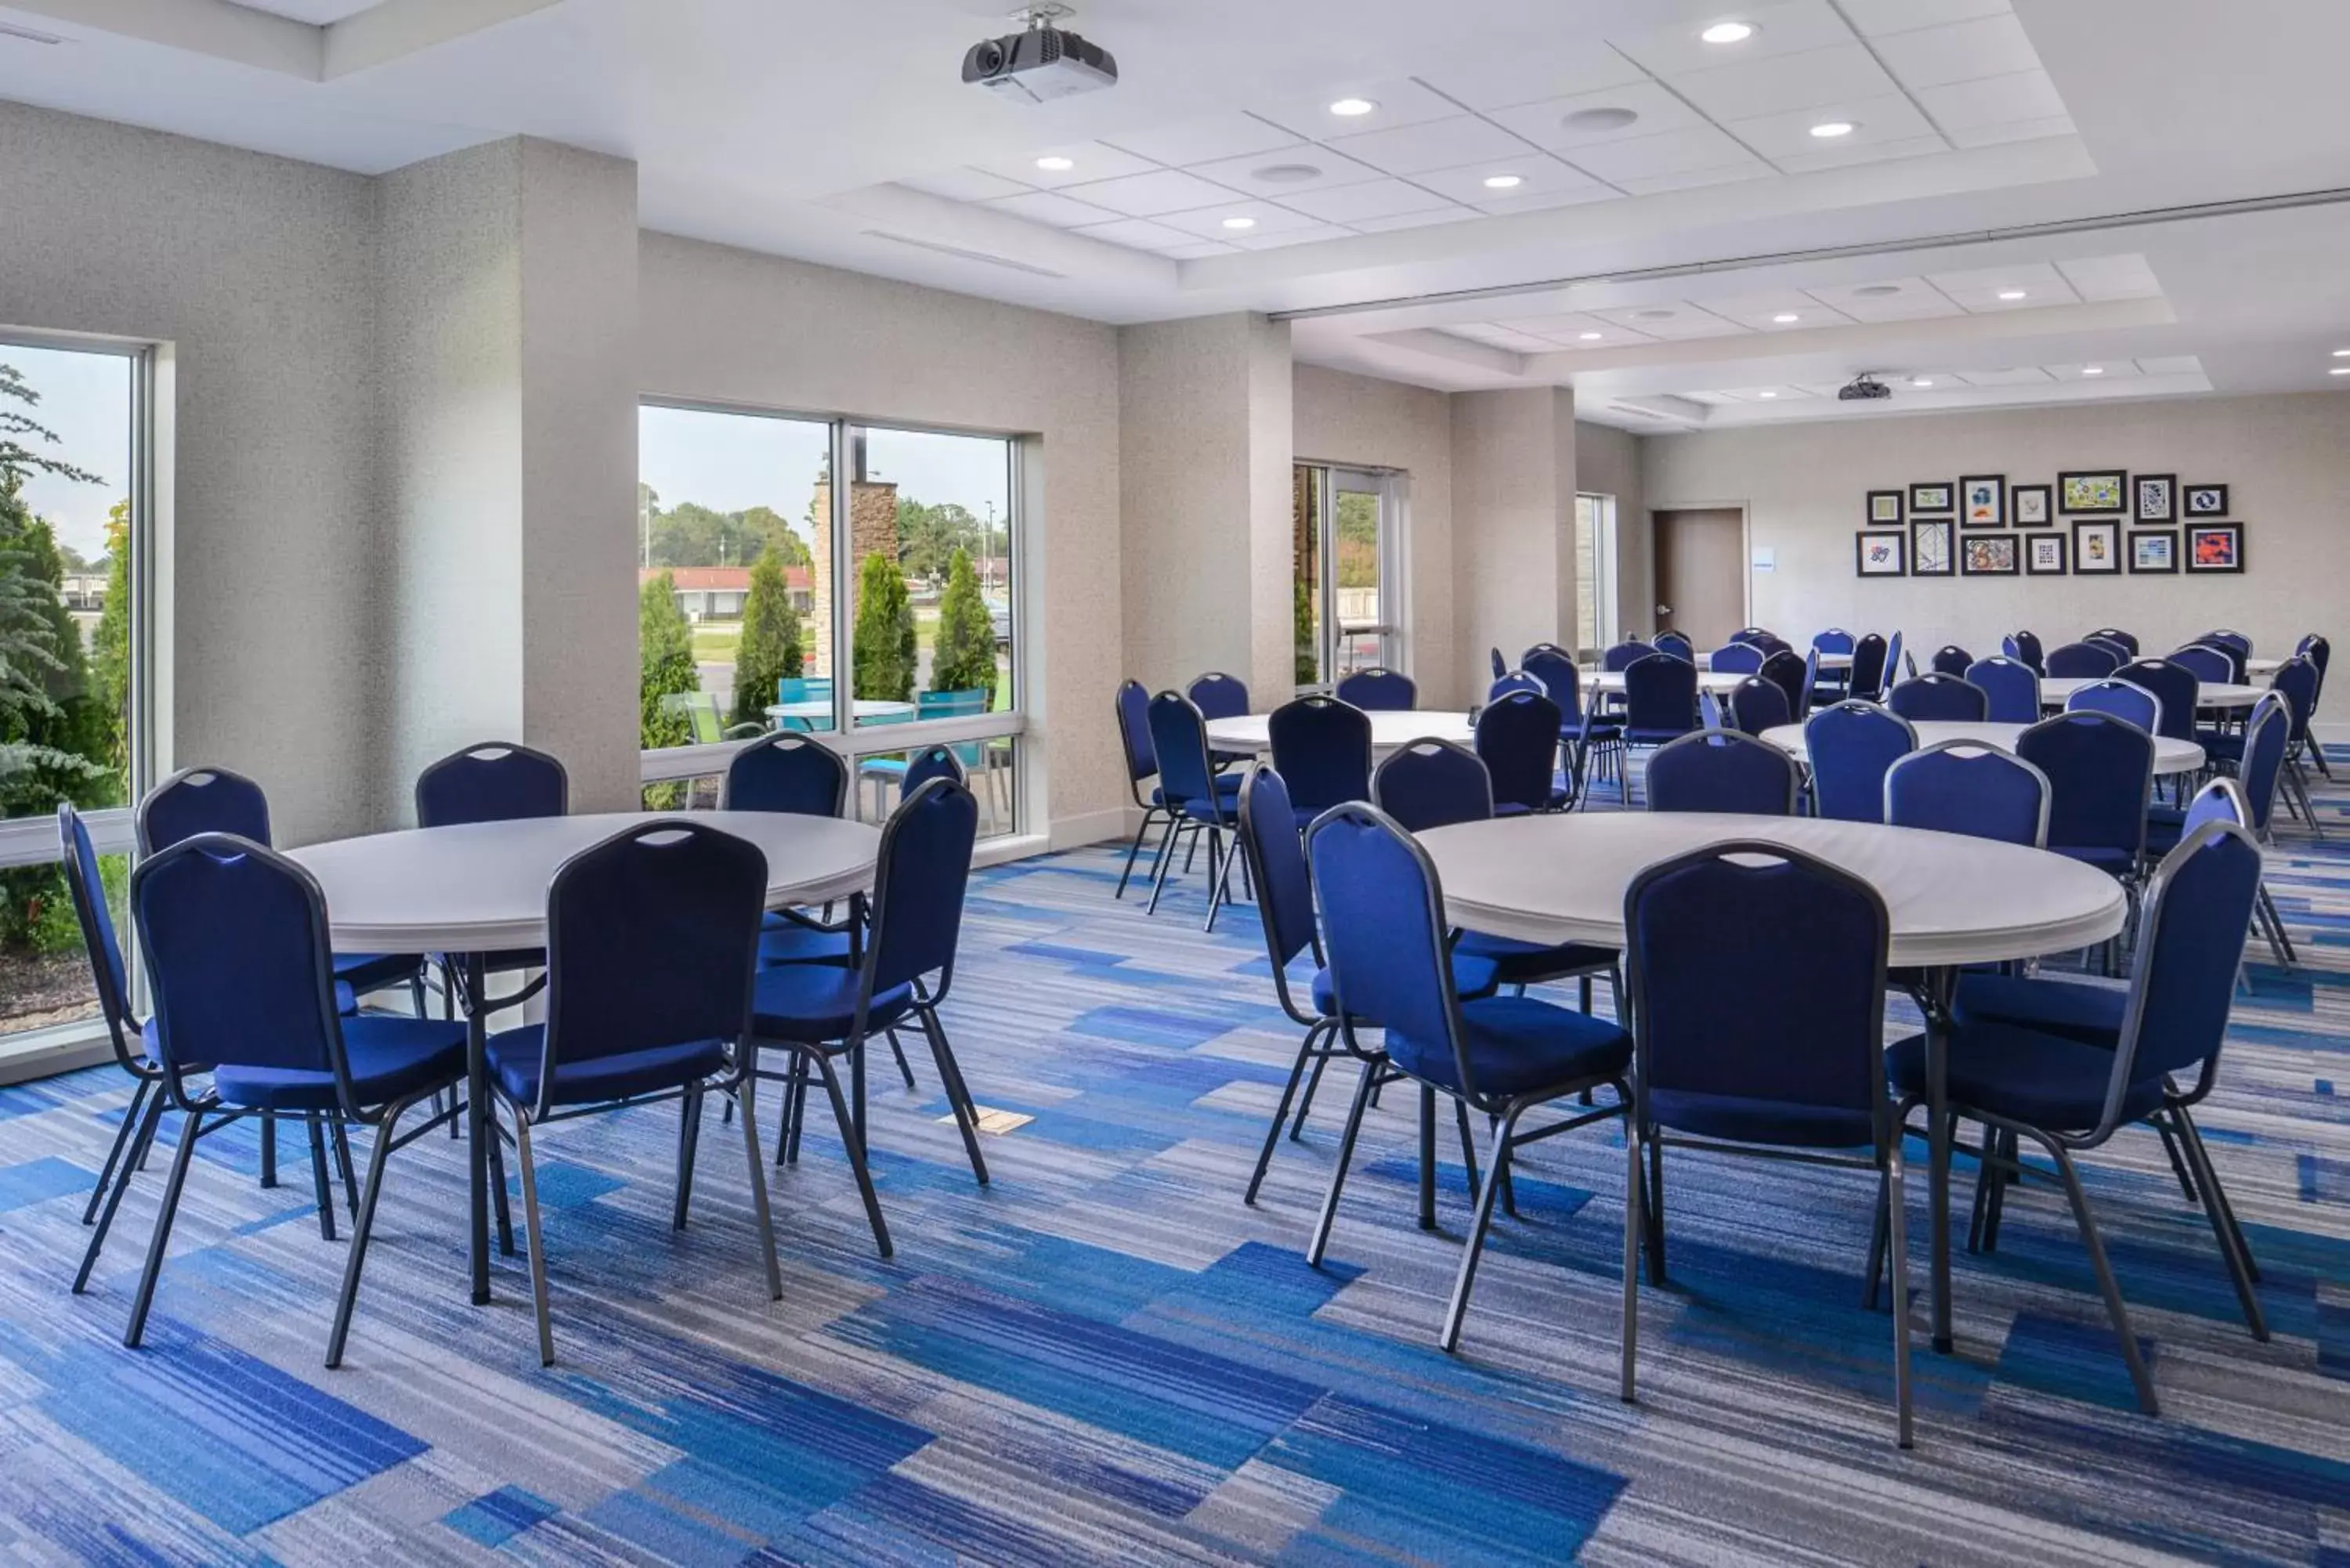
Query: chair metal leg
[(132, 1115), (145, 1135), (268, 1149), (1468, 1146), (494, 1150), (343, 1163), (2279, 939), (1306, 1101), (1321, 1240), (537, 1241), (2230, 1240), (966, 1114), (1451, 1339), (689, 1136), (319, 1178), (1635, 1228), (363, 1226), (1220, 871), (1427, 1157), (1879, 1225), (2115, 1309), (1165, 863), (180, 1159), (799, 1103), (2189, 1133), (855, 1145), (2004, 1177), (1897, 1217), (899, 1051), (1306, 1049), (1192, 853), (1142, 830), (761, 1210), (2187, 1185), (1653, 1206)]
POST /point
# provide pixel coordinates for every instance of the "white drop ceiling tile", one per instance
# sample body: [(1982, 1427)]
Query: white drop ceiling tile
[(2013, 131), (1960, 52), (1761, 311), (1569, 330), (2105, 370), (1852, 150), (1088, 162), (1695, 179), (1993, 100), (1766, 394), (965, 185), (1875, 122), (1715, 398), (1048, 207), (1500, 78), (1137, 234), (1375, 199), (1540, 200), (1674, 152), (1152, 195), (1881, 19), (1787, 28), (1287, 169), (1199, 250), (1544, 124), (2099, 278), (2013, 376), (1539, 175), (1397, 103), (1233, 135), (1819, 388), (1787, 84), (1914, 299), (1671, 321), (1308, 235), (1924, 381), (2172, 364), (1208, 223), (1433, 144), (1977, 291), (1445, 214), (1493, 336)]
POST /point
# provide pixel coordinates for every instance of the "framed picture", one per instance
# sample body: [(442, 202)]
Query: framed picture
[(2207, 501), (1931, 497), (1878, 555), (2031, 504), (1929, 548), (2096, 546), (2091, 490), (2152, 550), (2215, 547), (1988, 557), (1883, 506), (2044, 555), (1982, 500), (2157, 498)]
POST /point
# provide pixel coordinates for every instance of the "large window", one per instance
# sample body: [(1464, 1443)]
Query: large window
[(1345, 546), (71, 511), (877, 613), (1595, 572)]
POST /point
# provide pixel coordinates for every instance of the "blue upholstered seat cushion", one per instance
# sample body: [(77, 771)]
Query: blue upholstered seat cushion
[(1471, 977), (391, 1059), (815, 1002), (517, 1055), (1228, 790), (1650, 734), (2091, 1014), (1530, 963), (791, 943), (2103, 856), (364, 973), (2041, 1080), (2227, 744), (1742, 1120), (1516, 1044)]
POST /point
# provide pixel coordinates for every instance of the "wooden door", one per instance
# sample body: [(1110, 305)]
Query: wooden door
[(1701, 573)]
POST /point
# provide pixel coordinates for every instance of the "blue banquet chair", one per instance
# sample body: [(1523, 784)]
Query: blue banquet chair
[(1377, 690), (1722, 771), (2011, 686), (1851, 746), (1195, 800), (1937, 697), (1517, 740)]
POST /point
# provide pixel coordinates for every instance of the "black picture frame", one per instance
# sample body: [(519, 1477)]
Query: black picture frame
[(2168, 511), (1920, 528), (1876, 500), (2046, 507), (2191, 557), (1996, 484), (1868, 539), (1991, 549), (2213, 504), (2113, 491), (2035, 541), (1934, 495), (2140, 539), (2089, 562)]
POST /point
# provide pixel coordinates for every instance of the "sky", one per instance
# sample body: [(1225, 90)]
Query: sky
[(86, 399)]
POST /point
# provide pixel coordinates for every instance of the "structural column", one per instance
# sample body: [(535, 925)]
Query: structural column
[(1513, 523)]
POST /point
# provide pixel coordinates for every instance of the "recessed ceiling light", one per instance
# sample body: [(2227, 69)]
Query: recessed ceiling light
[(1287, 174), (2341, 353), (1727, 32), (1589, 336), (2093, 369), (1878, 290), (1614, 118), (1830, 128), (1504, 181), (1766, 394), (1056, 164), (2011, 295), (1351, 108), (2339, 370), (1240, 223), (1784, 317), (1920, 381)]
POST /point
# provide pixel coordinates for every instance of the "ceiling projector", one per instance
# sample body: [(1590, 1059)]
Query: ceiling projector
[(1041, 63), (1864, 389)]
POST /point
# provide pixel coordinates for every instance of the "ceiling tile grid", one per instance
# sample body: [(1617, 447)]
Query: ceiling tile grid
[(1588, 120)]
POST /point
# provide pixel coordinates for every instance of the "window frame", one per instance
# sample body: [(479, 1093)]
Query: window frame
[(1607, 590), (1393, 626)]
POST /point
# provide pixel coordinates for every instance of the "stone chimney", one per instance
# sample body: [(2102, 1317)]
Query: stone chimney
[(872, 526)]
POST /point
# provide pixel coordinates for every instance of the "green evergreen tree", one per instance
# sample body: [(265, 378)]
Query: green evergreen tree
[(665, 661), (964, 658), (885, 632), (770, 649), (1309, 655), (109, 664)]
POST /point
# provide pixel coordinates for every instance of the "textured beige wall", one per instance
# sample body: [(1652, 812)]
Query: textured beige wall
[(1607, 463), (1513, 478), (1347, 419), (2285, 459), (733, 326)]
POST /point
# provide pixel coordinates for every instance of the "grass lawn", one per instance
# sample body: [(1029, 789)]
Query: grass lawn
[(716, 644)]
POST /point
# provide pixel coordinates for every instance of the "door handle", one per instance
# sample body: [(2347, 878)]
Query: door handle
[(1663, 610)]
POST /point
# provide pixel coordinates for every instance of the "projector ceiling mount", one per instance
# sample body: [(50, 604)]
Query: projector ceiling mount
[(1041, 63)]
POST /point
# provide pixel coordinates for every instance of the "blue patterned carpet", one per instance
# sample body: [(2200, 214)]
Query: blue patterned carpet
[(1106, 1357)]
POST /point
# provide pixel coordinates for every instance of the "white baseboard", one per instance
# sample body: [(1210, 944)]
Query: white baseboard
[(1095, 827)]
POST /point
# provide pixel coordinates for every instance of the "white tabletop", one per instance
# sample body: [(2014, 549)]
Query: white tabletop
[(1722, 683), (864, 708), (2170, 756), (1391, 731), (483, 888), (2263, 666), (1952, 900), (2056, 689), (1827, 661)]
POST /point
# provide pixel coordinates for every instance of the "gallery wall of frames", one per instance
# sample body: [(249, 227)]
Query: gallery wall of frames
[(2085, 523)]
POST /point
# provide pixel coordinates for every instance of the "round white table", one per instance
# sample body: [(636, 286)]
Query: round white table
[(470, 891), (2170, 756), (2263, 666), (1391, 731), (2056, 689), (1611, 682), (1827, 661), (864, 708), (1951, 900)]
